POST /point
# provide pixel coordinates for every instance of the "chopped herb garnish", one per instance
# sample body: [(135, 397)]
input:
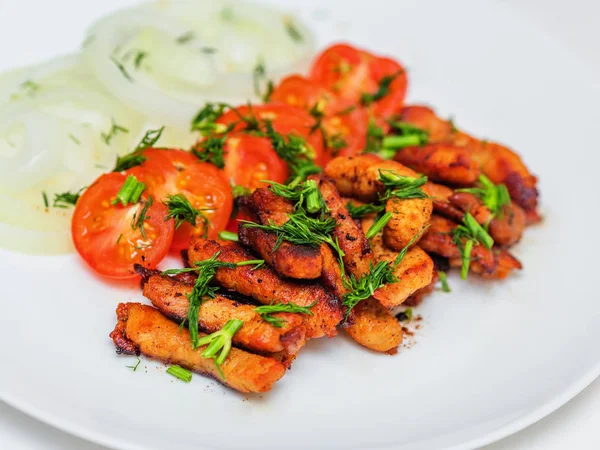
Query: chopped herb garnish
[(306, 195), (208, 50), (74, 139), (181, 210), (493, 196), (240, 191), (206, 271), (402, 187), (137, 221), (336, 142), (378, 225), (121, 68), (444, 281), (227, 14), (358, 212), (206, 117), (28, 87), (382, 90), (467, 235), (185, 37), (266, 312), (119, 238), (379, 275), (45, 198), (453, 128), (66, 199), (259, 75), (405, 316), (374, 137), (150, 138), (130, 192), (134, 367), (292, 30), (180, 372), (139, 57), (115, 129), (228, 236), (219, 343), (211, 150), (301, 229)]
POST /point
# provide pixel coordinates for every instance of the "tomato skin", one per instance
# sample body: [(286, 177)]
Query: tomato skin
[(171, 172), (304, 93), (352, 128), (104, 236), (251, 159), (350, 72), (286, 120)]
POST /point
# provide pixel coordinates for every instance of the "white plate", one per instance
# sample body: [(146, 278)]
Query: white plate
[(490, 359)]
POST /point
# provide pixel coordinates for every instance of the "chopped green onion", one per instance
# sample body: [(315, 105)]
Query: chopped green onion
[(228, 236), (130, 192), (378, 226), (180, 372), (411, 140), (219, 343), (466, 259), (406, 315), (444, 281)]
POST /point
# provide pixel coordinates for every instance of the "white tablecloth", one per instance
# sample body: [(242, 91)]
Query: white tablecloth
[(575, 426)]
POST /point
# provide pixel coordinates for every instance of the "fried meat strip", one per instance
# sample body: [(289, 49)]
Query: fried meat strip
[(439, 240), (499, 163), (289, 260), (266, 287), (143, 329), (169, 296), (414, 272), (359, 177), (441, 162), (369, 324)]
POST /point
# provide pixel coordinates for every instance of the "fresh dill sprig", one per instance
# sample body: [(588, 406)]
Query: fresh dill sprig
[(139, 57), (121, 68), (202, 289), (358, 212), (135, 366), (292, 30), (137, 221), (382, 90), (204, 121), (466, 236), (380, 274), (294, 151), (219, 343), (305, 195), (266, 312), (211, 150), (400, 186), (66, 199), (45, 199), (150, 138), (130, 192), (115, 129), (181, 210), (259, 76), (185, 37), (136, 157), (493, 196)]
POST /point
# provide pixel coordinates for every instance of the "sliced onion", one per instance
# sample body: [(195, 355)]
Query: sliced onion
[(166, 59), (51, 142)]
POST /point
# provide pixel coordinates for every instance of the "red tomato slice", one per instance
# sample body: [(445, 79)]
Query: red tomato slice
[(106, 235), (301, 92), (350, 73), (286, 120), (171, 172), (348, 128), (251, 159)]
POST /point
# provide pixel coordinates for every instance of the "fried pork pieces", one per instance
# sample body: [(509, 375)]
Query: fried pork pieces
[(312, 276)]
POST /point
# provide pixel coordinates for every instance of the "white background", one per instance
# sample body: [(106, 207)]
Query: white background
[(573, 426)]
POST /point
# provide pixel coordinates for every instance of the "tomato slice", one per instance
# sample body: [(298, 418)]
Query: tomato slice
[(286, 119), (108, 237), (346, 132), (171, 172), (251, 159), (301, 92), (350, 73)]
